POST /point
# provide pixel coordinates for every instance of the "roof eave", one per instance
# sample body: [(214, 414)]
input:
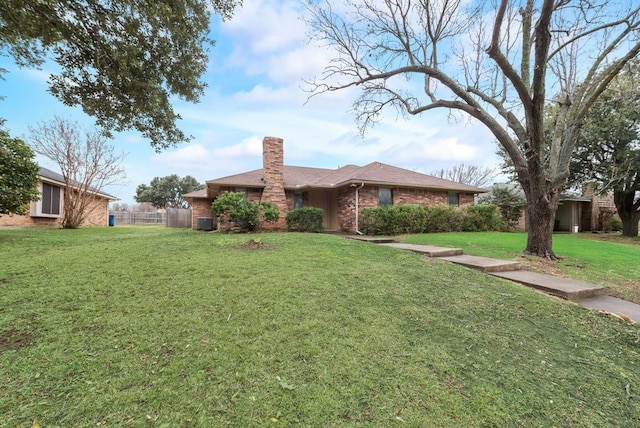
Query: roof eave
[(408, 185)]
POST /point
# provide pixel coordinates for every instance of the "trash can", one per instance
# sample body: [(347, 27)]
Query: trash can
[(112, 220)]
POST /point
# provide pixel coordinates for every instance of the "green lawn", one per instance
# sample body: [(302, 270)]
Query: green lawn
[(165, 327), (607, 260)]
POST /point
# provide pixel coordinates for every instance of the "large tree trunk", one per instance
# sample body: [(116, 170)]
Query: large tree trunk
[(542, 204), (628, 210)]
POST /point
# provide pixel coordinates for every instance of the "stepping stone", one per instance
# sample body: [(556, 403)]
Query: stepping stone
[(484, 264), (373, 239), (427, 250), (562, 287)]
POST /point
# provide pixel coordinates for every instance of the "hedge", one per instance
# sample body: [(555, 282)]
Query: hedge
[(305, 219), (403, 219)]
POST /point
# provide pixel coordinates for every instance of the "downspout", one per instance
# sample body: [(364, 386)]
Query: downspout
[(357, 210)]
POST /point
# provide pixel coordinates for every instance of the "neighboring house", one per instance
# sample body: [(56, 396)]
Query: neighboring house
[(341, 193), (574, 214), (48, 211)]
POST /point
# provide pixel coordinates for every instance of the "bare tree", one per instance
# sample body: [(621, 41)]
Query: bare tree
[(473, 175), (498, 61), (87, 163)]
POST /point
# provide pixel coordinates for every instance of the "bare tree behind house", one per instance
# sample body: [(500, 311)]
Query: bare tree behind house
[(473, 175), (498, 61), (86, 160)]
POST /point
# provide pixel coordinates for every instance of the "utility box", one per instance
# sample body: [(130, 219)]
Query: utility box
[(205, 223)]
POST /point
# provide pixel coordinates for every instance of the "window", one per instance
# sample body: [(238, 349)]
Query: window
[(453, 199), (298, 200), (385, 196), (50, 199)]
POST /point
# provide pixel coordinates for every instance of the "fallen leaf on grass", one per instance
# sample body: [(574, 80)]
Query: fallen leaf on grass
[(285, 384)]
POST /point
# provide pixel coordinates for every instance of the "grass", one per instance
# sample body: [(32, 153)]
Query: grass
[(611, 261), (167, 327)]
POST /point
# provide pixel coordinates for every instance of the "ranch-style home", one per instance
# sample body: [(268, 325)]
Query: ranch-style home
[(48, 211), (341, 193)]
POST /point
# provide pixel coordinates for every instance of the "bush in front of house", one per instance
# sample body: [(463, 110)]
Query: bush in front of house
[(270, 212), (616, 223), (403, 219), (482, 218), (443, 218), (237, 214), (605, 219), (305, 219), (393, 220), (369, 222)]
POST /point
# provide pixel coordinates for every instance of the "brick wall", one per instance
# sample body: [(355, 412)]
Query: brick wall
[(346, 208), (200, 207), (97, 215), (15, 220), (420, 197), (368, 197), (273, 165), (466, 199)]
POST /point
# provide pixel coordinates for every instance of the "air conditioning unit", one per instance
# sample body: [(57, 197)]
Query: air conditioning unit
[(205, 223)]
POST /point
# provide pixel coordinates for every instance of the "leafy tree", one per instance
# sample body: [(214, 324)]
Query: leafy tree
[(166, 192), (608, 152), (508, 199), (472, 175), (235, 212), (493, 60), (86, 160), (18, 175), (121, 60)]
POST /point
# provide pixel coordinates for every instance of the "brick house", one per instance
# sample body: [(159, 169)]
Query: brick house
[(341, 193), (48, 211)]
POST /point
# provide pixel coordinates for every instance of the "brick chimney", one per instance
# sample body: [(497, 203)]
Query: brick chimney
[(273, 165)]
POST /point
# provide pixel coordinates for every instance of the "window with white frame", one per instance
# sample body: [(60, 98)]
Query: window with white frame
[(50, 203)]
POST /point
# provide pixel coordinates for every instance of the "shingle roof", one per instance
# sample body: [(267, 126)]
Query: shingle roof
[(50, 175), (297, 177), (202, 193)]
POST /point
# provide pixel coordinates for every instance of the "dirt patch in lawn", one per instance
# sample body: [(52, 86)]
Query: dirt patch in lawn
[(255, 244), (14, 340)]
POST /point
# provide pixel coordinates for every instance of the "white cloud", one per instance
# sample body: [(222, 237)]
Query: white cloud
[(206, 161), (262, 94), (269, 26)]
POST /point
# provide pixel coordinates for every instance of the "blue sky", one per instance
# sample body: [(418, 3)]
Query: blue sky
[(254, 89)]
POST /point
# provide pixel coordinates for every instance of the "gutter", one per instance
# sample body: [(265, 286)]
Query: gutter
[(357, 210)]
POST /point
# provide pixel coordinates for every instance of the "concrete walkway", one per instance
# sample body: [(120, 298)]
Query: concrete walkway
[(585, 294)]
